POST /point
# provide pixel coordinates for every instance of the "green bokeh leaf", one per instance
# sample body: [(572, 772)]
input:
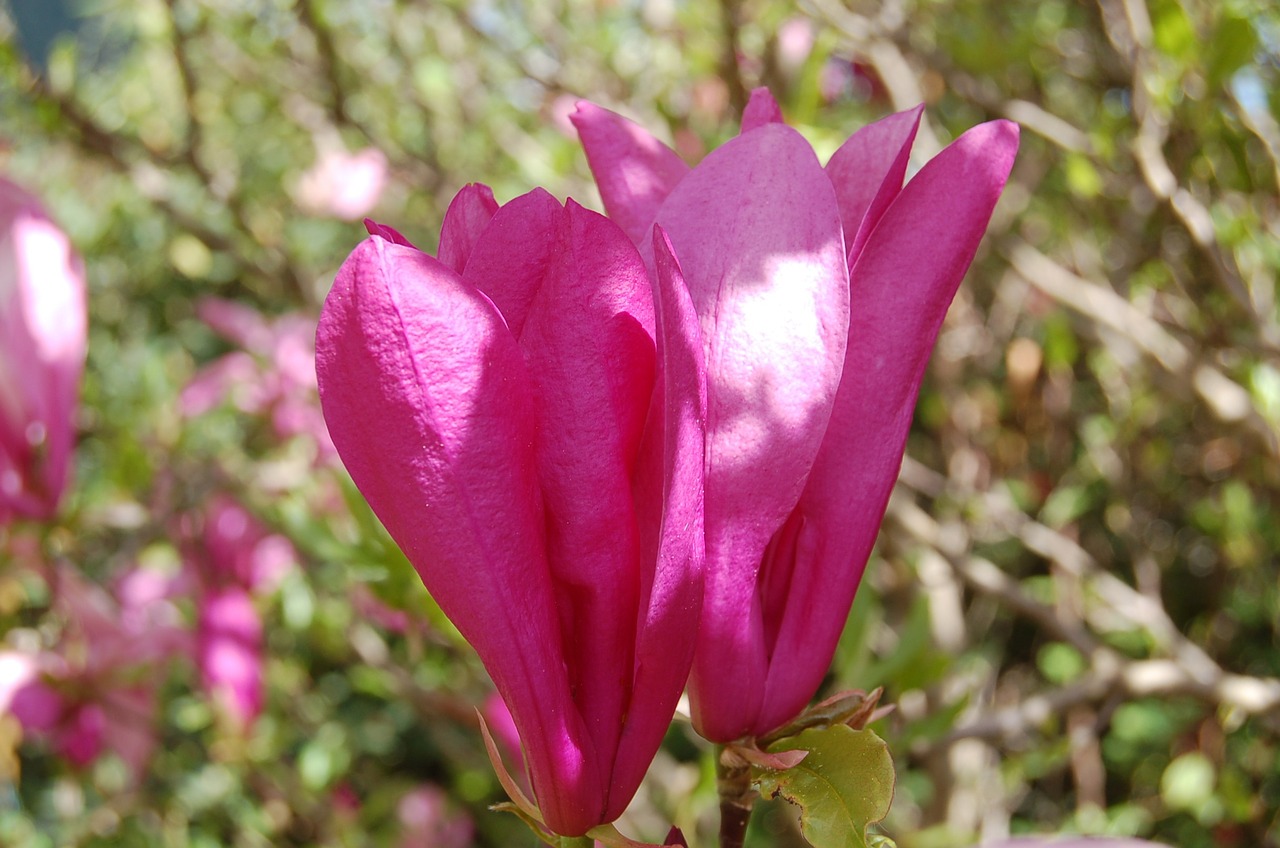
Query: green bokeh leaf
[(844, 785)]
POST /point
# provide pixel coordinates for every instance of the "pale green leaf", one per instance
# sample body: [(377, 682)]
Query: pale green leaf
[(844, 785)]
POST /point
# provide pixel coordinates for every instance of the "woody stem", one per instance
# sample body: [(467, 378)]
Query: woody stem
[(733, 779)]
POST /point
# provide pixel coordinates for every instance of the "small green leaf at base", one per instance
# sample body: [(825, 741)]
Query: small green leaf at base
[(844, 785)]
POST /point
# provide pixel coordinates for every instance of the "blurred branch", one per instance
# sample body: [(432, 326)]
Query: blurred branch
[(1191, 672), (328, 64), (1111, 677), (1227, 400), (148, 170), (422, 165), (1265, 127), (730, 68), (1130, 32)]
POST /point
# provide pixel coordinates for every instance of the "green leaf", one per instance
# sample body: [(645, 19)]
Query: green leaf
[(1083, 178), (843, 786), (1187, 782), (1233, 46), (1174, 34)]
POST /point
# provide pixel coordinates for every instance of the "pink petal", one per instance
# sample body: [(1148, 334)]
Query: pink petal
[(80, 739), (426, 397), (389, 233), (24, 695), (761, 109), (634, 171), (466, 218), (867, 172), (901, 287), (514, 254), (591, 363), (669, 503), (757, 232)]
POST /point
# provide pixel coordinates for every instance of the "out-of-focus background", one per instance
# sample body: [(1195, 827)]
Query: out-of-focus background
[(1075, 602)]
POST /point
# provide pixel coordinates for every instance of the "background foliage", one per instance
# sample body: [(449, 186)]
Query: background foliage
[(1075, 604)]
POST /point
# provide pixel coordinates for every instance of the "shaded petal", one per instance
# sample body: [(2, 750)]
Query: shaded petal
[(466, 218), (867, 172), (591, 364), (389, 233), (902, 285), (761, 109), (515, 252), (757, 231), (425, 394), (669, 497), (634, 171)]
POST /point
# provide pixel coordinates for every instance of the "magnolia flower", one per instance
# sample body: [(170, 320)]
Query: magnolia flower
[(42, 350), (95, 691), (819, 292), (524, 414)]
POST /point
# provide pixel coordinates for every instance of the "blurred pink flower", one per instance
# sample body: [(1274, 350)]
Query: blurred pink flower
[(42, 351), (232, 557), (229, 652), (343, 185), (796, 37), (95, 691), (273, 374), (236, 549), (427, 820), (369, 606)]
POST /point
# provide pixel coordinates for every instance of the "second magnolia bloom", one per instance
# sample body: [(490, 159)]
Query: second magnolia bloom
[(819, 294)]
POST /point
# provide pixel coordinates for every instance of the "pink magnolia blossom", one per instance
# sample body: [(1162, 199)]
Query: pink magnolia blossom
[(96, 691), (524, 414), (42, 351), (819, 292)]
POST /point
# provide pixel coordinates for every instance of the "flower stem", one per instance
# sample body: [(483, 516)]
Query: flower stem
[(733, 779)]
